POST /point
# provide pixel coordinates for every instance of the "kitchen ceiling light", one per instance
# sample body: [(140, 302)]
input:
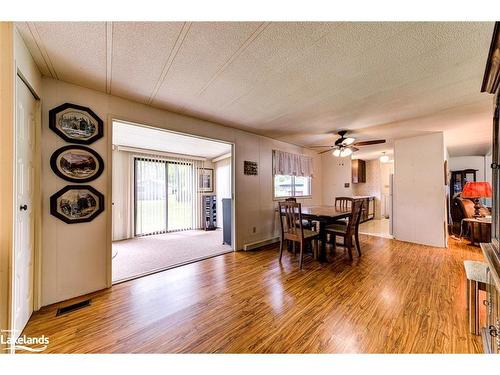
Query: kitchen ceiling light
[(336, 152), (384, 158)]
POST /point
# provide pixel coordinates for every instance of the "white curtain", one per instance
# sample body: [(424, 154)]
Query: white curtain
[(123, 195), (166, 197), (285, 163)]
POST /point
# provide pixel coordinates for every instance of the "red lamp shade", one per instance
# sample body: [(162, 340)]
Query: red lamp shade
[(477, 190)]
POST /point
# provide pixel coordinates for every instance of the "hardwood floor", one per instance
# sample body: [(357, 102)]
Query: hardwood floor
[(397, 298)]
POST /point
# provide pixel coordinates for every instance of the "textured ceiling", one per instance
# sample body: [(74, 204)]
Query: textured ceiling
[(125, 134), (293, 81)]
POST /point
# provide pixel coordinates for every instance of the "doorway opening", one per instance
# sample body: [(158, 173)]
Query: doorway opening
[(379, 180), (172, 199)]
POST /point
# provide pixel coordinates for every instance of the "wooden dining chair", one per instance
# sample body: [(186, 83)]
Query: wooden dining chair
[(348, 231), (293, 230), (307, 224), (343, 203)]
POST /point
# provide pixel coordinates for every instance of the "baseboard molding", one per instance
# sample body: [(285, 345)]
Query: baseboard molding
[(257, 244)]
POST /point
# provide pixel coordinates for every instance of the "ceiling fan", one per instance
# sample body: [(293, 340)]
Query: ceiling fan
[(345, 146)]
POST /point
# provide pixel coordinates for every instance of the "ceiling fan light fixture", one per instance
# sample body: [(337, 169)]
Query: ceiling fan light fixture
[(348, 141), (336, 152), (345, 152)]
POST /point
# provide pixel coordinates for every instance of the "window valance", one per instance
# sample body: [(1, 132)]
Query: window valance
[(285, 163)]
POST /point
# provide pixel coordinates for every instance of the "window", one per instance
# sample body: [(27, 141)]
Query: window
[(291, 186), (292, 175)]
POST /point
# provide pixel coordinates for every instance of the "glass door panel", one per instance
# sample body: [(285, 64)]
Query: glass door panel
[(180, 196), (150, 196)]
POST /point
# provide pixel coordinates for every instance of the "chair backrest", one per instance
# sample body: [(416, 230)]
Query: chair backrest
[(291, 220), (355, 218), (291, 200), (343, 203)]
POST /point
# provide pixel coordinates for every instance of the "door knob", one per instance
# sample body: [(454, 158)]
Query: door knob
[(24, 207)]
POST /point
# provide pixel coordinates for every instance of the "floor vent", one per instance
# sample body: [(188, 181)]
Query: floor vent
[(73, 307)]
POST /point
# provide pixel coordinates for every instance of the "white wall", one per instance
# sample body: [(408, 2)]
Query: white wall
[(223, 185), (75, 256), (335, 173), (469, 162), (419, 190)]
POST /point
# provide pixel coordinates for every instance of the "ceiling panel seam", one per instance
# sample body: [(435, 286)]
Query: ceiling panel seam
[(109, 55), (170, 60), (263, 26), (43, 52)]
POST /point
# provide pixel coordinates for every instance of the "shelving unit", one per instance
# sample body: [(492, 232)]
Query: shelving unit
[(209, 209)]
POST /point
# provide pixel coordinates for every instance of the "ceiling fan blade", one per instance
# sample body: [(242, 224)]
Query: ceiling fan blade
[(368, 143), (320, 146)]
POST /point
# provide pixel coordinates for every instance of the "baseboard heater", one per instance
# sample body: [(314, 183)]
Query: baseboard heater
[(257, 244)]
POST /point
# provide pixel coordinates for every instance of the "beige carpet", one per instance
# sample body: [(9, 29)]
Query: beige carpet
[(147, 254)]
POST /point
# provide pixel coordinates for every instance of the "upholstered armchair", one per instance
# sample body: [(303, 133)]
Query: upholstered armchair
[(462, 208)]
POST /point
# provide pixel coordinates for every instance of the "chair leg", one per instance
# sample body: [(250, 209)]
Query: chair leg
[(357, 243), (348, 244), (473, 302), (301, 256), (293, 248), (281, 248)]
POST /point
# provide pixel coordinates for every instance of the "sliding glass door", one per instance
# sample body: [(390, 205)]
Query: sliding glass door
[(150, 197), (164, 196), (180, 196)]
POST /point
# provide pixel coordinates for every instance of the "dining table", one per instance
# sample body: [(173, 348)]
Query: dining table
[(325, 215)]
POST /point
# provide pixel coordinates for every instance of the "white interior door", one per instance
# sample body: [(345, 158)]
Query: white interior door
[(23, 215)]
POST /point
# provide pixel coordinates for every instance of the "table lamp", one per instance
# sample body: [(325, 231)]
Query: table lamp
[(476, 190)]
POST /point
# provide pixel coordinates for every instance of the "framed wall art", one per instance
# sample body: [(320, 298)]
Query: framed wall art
[(76, 124), (250, 168), (205, 180), (76, 163), (76, 204)]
